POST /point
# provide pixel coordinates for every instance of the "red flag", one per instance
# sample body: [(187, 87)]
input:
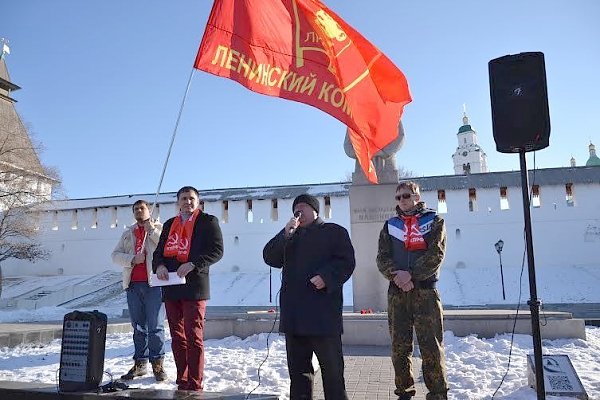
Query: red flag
[(302, 51)]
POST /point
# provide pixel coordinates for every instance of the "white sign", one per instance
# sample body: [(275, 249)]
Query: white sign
[(174, 279), (560, 378)]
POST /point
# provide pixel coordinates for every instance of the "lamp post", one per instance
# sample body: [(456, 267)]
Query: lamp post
[(499, 245)]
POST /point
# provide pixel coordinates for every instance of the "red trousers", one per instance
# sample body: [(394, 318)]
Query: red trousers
[(186, 323)]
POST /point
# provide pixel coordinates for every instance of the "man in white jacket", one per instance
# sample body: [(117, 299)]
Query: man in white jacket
[(146, 310)]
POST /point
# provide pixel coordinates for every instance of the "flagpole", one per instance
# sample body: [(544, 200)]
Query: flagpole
[(162, 175)]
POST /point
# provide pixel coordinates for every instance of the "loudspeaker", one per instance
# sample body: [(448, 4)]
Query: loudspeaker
[(82, 351), (519, 96)]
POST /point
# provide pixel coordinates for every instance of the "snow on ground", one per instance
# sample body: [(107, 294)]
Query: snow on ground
[(475, 366), (479, 285), (458, 286)]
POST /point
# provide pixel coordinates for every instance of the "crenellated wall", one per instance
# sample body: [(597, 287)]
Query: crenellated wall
[(563, 231), (81, 239), (479, 211)]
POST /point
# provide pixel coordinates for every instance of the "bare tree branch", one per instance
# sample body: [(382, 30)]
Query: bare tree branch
[(24, 184)]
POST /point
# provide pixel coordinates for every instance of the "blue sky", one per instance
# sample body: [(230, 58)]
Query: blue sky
[(102, 83)]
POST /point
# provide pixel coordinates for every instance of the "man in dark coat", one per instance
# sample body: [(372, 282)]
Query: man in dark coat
[(189, 244), (317, 258)]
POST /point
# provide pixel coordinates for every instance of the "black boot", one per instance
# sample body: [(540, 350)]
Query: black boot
[(158, 370), (138, 369)]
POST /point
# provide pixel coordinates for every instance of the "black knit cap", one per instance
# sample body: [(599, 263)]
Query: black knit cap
[(307, 199)]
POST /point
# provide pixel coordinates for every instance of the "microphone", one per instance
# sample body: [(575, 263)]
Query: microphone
[(297, 216)]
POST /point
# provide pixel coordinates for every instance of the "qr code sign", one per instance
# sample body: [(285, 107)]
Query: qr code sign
[(560, 383)]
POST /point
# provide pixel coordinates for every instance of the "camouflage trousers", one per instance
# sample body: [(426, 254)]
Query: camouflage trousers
[(420, 309)]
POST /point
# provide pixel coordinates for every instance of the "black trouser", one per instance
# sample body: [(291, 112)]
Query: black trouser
[(331, 360)]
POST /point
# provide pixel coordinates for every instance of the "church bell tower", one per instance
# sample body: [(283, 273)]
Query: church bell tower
[(468, 158)]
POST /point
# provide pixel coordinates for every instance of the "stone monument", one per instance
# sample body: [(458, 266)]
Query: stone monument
[(370, 206)]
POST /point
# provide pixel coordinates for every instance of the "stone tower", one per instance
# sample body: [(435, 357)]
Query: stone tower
[(20, 168), (468, 158)]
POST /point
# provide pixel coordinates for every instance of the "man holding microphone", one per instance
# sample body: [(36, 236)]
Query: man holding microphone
[(316, 258)]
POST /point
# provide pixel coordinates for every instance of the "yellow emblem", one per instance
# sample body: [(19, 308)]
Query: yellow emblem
[(331, 28)]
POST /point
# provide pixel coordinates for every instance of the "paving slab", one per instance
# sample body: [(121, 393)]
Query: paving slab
[(369, 375)]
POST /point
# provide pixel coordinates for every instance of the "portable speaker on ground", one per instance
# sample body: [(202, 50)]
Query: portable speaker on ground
[(82, 351), (519, 96)]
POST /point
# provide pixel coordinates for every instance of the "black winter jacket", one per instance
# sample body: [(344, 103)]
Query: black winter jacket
[(206, 249), (320, 249)]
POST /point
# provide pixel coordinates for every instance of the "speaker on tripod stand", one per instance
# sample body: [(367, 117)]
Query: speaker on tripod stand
[(82, 351), (521, 123)]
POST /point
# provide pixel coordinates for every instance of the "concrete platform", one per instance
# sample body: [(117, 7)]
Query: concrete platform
[(39, 391), (359, 329), (372, 329)]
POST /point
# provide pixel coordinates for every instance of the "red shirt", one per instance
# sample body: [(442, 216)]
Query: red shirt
[(139, 273)]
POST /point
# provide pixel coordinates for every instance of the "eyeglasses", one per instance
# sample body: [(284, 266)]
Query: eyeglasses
[(404, 196)]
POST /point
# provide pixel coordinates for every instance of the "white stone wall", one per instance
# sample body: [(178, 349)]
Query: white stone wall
[(81, 241), (565, 236), (244, 241)]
